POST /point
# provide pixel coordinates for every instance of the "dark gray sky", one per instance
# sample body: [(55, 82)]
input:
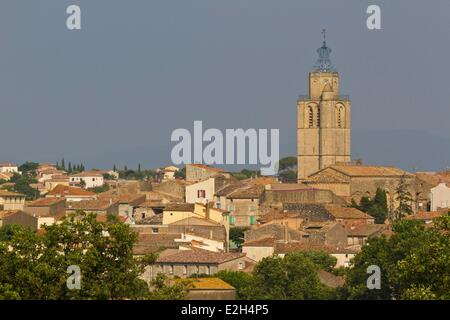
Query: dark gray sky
[(114, 91)]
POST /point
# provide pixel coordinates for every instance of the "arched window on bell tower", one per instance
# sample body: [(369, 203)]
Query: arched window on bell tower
[(340, 117), (318, 116), (310, 117)]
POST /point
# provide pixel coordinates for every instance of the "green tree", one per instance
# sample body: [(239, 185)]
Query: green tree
[(161, 289), (181, 174), (404, 199), (36, 267), (69, 168), (237, 235), (287, 169), (413, 263), (29, 168), (243, 283), (292, 277)]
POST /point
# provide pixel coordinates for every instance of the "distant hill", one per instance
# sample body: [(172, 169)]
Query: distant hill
[(408, 150)]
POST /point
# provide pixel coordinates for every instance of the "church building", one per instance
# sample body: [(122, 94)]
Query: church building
[(324, 120)]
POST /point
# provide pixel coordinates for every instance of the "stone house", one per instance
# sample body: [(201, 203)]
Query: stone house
[(187, 262), (91, 179), (94, 206), (356, 181), (440, 196), (267, 247), (360, 234), (203, 191), (29, 220), (71, 194), (11, 200), (127, 203), (47, 207), (199, 172), (9, 168), (242, 201)]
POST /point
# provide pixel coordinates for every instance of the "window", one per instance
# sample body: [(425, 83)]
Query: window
[(318, 117), (232, 220), (201, 194), (340, 117), (252, 219), (241, 265), (155, 230), (310, 117)]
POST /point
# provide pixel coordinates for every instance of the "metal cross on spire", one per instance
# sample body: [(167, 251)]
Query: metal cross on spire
[(324, 64)]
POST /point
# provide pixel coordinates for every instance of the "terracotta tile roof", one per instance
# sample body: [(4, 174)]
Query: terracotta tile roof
[(289, 187), (367, 230), (369, 171), (210, 284), (346, 212), (63, 191), (319, 227), (87, 174), (153, 204), (7, 213), (5, 176), (247, 192), (326, 177), (189, 207), (90, 205), (128, 198), (149, 243), (7, 164), (262, 181), (312, 245), (262, 242), (45, 202), (226, 190), (196, 255), (203, 166), (428, 215), (6, 193)]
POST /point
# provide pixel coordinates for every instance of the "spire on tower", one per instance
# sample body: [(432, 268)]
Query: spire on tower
[(323, 63)]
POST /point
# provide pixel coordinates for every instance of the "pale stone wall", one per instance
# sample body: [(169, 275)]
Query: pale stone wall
[(258, 253), (324, 126), (207, 185), (440, 197)]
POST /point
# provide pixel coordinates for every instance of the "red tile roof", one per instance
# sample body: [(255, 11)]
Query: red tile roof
[(62, 191), (199, 256)]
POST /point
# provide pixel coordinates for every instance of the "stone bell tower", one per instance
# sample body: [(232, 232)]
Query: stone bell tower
[(323, 119)]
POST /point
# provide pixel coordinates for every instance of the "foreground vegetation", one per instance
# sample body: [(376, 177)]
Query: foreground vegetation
[(414, 264)]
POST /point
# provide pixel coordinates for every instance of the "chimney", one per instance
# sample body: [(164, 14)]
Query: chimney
[(207, 207)]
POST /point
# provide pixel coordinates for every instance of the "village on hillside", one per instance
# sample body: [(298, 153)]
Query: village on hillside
[(201, 220)]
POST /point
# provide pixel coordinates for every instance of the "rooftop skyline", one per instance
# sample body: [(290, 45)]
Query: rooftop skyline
[(113, 92)]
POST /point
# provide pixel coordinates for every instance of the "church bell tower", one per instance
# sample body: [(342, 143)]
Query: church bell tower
[(323, 119)]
